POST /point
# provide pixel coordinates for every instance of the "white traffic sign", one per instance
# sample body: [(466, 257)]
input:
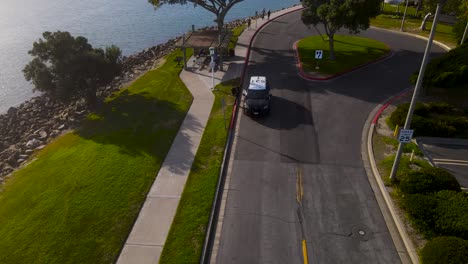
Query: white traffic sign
[(405, 135), (318, 54)]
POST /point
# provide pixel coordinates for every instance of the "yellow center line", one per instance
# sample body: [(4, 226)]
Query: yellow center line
[(298, 198), (299, 188), (304, 252)]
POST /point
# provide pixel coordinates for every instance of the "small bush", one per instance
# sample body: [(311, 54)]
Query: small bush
[(398, 117), (421, 210), (449, 70), (447, 250), (441, 108), (442, 213), (428, 180), (452, 214)]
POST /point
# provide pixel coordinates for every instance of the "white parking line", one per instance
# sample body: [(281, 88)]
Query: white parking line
[(451, 162)]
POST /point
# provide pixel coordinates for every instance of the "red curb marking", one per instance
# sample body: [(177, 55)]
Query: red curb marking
[(374, 121), (231, 125)]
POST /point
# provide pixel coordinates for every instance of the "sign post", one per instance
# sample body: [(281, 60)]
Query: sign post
[(318, 56)]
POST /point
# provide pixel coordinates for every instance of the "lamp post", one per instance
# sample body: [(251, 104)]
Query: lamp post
[(404, 15), (464, 34), (417, 88), (212, 65)]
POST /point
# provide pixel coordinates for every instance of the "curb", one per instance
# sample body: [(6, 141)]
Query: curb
[(214, 215), (310, 77), (388, 102), (380, 188), (440, 44)]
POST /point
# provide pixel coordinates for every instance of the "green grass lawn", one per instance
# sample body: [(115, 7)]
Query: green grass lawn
[(186, 237), (78, 199), (443, 34), (401, 8), (235, 36), (350, 52)]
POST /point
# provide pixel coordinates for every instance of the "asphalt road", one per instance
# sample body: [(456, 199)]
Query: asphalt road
[(297, 174), (451, 157)]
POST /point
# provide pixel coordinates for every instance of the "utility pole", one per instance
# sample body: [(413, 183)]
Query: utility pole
[(404, 15), (417, 88)]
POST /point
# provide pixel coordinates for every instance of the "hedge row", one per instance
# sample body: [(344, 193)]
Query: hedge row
[(433, 120), (449, 70), (441, 213), (428, 180), (433, 199), (447, 250)]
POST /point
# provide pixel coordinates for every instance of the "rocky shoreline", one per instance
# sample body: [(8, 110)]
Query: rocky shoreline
[(30, 126)]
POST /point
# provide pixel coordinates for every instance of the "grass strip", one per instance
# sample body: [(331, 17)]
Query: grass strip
[(407, 148), (443, 33), (235, 36), (350, 52), (76, 202), (186, 236)]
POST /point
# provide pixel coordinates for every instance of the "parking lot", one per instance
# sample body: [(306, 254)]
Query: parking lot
[(449, 154)]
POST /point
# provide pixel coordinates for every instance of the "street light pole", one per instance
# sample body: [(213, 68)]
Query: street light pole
[(464, 34), (416, 90), (404, 15)]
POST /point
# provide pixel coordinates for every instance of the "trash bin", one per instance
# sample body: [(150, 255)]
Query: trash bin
[(231, 53)]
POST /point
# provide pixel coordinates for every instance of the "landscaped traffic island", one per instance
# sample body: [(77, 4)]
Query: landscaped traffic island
[(350, 52)]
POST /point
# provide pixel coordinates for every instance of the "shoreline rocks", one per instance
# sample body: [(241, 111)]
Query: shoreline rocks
[(34, 123)]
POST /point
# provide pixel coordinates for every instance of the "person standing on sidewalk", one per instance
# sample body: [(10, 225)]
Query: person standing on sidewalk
[(268, 14), (248, 22), (263, 13)]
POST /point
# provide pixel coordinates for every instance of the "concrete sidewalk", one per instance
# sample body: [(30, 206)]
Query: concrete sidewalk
[(146, 240)]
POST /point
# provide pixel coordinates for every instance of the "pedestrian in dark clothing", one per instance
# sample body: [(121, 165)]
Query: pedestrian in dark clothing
[(269, 13), (248, 22), (263, 13), (256, 14)]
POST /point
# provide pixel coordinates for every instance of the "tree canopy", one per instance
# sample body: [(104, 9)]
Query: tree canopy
[(336, 14), (448, 6), (66, 67), (218, 7)]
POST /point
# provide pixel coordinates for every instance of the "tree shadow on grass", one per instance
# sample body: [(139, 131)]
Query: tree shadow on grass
[(138, 124)]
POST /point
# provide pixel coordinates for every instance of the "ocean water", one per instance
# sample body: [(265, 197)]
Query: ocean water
[(131, 25)]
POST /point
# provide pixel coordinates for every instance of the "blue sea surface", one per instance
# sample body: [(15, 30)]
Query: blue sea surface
[(130, 25)]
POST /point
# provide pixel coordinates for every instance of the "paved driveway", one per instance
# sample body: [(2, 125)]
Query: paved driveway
[(449, 154)]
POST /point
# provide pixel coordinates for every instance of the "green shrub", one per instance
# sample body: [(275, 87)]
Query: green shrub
[(428, 180), (441, 108), (432, 120), (442, 213), (449, 70), (447, 250), (421, 209), (398, 116), (452, 214)]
